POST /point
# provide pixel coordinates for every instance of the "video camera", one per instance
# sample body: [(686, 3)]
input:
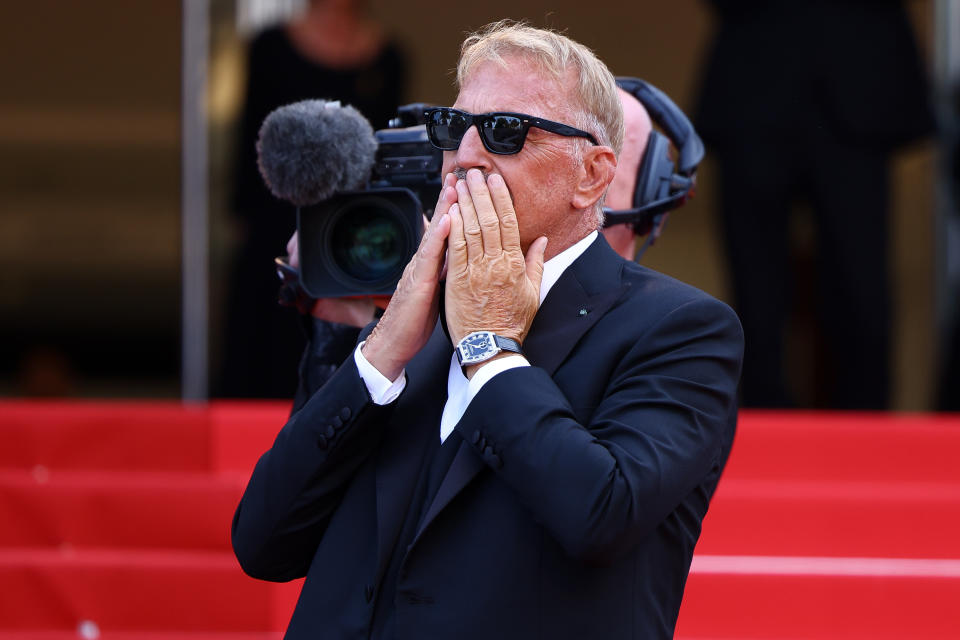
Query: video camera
[(357, 242)]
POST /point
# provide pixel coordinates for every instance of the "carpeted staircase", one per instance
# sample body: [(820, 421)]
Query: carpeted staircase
[(115, 519), (115, 522)]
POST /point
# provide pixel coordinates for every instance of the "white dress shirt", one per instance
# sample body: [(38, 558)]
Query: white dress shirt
[(460, 391)]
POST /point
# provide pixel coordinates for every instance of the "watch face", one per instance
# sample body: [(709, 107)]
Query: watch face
[(477, 347)]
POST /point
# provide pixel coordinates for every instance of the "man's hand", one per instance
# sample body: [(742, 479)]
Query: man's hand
[(490, 286), (410, 317)]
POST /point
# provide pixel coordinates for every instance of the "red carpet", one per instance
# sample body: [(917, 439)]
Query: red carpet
[(115, 517)]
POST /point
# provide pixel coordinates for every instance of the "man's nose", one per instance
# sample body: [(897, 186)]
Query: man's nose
[(471, 153)]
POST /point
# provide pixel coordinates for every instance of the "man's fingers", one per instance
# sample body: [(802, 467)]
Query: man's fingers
[(457, 243), (508, 228), (429, 256), (471, 224), (432, 233), (486, 213), (448, 195)]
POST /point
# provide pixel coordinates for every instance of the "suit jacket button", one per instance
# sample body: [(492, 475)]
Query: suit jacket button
[(488, 451), (322, 442), (336, 422), (345, 413), (476, 436), (328, 431)]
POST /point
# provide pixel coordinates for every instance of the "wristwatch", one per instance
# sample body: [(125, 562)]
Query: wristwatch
[(480, 346)]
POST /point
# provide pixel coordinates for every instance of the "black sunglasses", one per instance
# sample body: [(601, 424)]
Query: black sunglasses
[(502, 132)]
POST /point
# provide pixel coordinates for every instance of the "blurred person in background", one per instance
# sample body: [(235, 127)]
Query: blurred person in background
[(948, 393), (806, 101), (334, 51)]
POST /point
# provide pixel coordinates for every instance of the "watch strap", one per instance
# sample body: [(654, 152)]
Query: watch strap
[(507, 344)]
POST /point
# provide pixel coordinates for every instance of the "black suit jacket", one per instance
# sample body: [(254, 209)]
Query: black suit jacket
[(571, 509)]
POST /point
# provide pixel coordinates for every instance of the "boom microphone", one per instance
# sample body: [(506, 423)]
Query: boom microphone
[(309, 150), (355, 236)]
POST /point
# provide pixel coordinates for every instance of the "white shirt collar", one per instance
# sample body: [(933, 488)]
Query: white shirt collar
[(555, 266)]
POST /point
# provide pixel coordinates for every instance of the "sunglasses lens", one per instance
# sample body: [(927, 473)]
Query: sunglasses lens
[(503, 134), (446, 128)]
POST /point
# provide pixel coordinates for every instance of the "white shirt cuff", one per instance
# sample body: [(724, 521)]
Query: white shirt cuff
[(490, 369), (381, 390)]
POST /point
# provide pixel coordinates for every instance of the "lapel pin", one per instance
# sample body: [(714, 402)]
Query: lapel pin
[(583, 312)]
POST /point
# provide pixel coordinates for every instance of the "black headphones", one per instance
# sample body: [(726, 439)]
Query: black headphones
[(662, 184)]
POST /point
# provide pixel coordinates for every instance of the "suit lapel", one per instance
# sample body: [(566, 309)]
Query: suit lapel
[(585, 291), (462, 470), (401, 453), (557, 324)]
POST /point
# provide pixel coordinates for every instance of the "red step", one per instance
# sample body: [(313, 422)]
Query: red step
[(159, 591), (855, 447), (141, 436), (137, 436), (231, 435), (193, 511), (89, 630), (118, 509), (800, 599), (898, 520), (242, 431)]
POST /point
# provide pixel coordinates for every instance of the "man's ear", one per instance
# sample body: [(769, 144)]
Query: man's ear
[(596, 174)]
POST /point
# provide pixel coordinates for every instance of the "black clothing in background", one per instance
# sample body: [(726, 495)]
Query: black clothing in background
[(328, 345), (261, 340), (948, 392), (805, 101)]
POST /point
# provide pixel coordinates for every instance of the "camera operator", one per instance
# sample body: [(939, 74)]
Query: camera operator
[(334, 47)]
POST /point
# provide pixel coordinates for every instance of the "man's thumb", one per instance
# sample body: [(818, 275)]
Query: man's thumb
[(534, 260)]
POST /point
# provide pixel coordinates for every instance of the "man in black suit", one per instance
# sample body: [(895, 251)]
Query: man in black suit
[(557, 492)]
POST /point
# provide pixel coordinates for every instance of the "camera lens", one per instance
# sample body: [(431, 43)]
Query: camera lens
[(370, 242)]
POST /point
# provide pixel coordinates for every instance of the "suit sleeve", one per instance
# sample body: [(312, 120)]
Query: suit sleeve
[(298, 483), (662, 424)]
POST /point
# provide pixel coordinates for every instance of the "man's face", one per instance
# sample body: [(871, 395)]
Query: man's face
[(541, 177)]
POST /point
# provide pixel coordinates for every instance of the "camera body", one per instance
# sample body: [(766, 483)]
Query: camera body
[(358, 243)]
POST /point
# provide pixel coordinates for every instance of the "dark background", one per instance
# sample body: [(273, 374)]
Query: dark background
[(90, 272)]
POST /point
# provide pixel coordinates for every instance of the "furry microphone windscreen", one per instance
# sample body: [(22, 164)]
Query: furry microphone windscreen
[(309, 150)]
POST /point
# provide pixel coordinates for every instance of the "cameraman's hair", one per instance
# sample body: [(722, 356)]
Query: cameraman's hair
[(601, 112)]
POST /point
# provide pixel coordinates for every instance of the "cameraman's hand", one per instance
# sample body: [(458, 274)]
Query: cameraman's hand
[(356, 312), (293, 251), (491, 285), (411, 316)]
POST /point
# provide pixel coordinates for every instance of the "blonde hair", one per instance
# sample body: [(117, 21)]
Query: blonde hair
[(600, 111)]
